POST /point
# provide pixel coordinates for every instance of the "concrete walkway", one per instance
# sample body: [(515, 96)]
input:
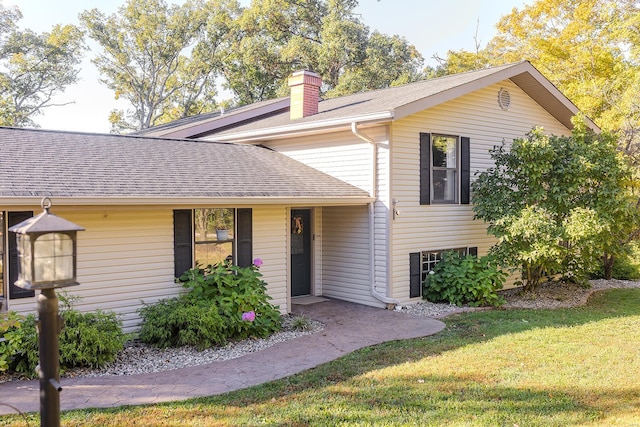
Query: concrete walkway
[(348, 327)]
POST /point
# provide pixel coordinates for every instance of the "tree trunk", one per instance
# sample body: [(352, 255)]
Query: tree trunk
[(608, 261)]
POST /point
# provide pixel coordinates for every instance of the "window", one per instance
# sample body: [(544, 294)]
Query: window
[(420, 263), (214, 234), (444, 169), (2, 291), (211, 235)]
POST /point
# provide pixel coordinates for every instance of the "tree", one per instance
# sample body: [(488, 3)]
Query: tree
[(162, 59), (278, 37), (34, 67), (557, 204), (590, 49)]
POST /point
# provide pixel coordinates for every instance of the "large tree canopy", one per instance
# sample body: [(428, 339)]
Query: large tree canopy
[(162, 59), (590, 49), (34, 67), (167, 60), (277, 37)]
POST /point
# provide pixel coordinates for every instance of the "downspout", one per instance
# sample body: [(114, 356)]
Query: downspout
[(390, 302)]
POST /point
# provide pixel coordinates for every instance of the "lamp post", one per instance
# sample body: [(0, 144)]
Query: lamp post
[(47, 260)]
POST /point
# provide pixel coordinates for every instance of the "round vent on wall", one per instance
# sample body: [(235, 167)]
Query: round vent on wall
[(504, 99)]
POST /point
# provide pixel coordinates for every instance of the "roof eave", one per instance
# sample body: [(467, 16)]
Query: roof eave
[(304, 128), (525, 76), (195, 201)]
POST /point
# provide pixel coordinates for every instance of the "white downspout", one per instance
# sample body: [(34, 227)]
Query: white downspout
[(391, 302)]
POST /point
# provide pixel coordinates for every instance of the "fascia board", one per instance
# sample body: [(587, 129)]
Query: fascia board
[(301, 128), (196, 201)]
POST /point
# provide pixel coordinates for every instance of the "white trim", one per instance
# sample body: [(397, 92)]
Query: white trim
[(300, 128), (172, 201)]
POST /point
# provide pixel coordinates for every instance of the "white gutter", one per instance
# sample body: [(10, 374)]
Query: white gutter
[(305, 126), (372, 235)]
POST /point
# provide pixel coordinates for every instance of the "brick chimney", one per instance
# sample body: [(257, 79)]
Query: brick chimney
[(305, 94)]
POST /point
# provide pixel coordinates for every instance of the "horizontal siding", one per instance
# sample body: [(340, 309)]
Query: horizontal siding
[(125, 257), (478, 116), (339, 154), (270, 245), (345, 263)]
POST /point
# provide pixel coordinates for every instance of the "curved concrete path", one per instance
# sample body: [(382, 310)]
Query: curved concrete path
[(348, 327)]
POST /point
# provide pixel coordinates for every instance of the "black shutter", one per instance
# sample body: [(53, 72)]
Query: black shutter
[(182, 241), (415, 278), (465, 170), (244, 233), (15, 292), (473, 251), (425, 168)]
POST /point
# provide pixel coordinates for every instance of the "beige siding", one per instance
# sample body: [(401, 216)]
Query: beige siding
[(270, 244), (345, 263), (125, 257), (478, 116), (340, 154)]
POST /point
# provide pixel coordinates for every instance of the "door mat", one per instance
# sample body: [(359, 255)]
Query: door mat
[(307, 300)]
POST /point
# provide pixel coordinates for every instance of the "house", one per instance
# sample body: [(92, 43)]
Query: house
[(352, 198)]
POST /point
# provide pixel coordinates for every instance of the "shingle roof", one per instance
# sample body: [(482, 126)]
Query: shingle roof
[(37, 163), (385, 104)]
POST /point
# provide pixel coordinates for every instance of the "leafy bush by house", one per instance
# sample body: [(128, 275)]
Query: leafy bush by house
[(11, 331), (182, 321), (464, 280), (90, 339), (225, 302)]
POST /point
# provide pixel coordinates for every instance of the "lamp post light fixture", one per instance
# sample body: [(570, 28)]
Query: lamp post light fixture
[(46, 247)]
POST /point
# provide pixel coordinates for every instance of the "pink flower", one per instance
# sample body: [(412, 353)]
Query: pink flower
[(257, 262), (249, 316)]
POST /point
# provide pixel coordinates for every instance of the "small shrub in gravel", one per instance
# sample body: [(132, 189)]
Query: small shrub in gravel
[(182, 321), (464, 280), (91, 339)]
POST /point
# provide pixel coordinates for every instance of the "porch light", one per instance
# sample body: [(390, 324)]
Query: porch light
[(47, 260), (46, 251)]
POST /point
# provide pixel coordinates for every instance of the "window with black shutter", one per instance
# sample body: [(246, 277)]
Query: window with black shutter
[(445, 169)]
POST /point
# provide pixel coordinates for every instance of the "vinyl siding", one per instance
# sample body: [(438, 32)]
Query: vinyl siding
[(125, 258), (339, 154), (347, 157), (270, 245), (435, 227), (345, 262)]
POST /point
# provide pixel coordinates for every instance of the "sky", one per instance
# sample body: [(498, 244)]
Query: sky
[(433, 26)]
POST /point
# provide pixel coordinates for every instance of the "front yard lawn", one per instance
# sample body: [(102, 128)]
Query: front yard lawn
[(563, 367)]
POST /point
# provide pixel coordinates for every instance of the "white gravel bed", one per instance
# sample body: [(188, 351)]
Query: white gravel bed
[(140, 358), (548, 295)]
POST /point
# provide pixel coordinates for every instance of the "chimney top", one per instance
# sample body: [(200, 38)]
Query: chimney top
[(305, 94)]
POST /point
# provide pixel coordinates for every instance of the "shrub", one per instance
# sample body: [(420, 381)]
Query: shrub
[(464, 280), (182, 321), (11, 331), (235, 291), (90, 339)]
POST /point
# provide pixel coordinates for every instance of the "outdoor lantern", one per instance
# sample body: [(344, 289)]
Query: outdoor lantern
[(47, 260), (46, 251)]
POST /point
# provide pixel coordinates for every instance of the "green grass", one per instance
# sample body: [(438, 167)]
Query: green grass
[(565, 367)]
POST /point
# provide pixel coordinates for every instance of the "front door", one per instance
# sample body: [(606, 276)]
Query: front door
[(300, 252)]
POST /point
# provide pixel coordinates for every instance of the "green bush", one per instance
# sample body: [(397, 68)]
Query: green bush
[(12, 332), (464, 280), (182, 321), (240, 295), (90, 339)]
